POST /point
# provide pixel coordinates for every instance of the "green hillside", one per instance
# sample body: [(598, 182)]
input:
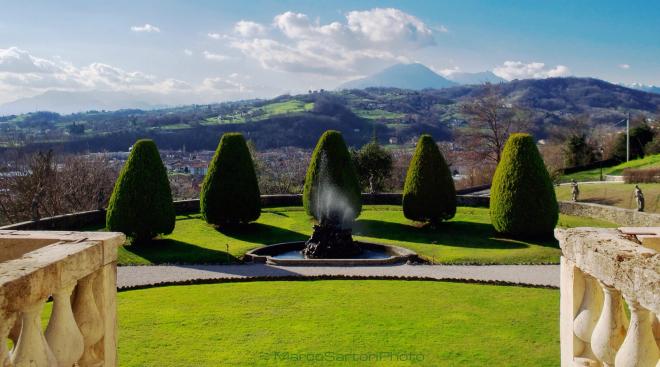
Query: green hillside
[(652, 161)]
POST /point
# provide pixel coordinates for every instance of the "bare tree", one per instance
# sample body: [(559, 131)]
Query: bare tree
[(37, 186), (490, 121)]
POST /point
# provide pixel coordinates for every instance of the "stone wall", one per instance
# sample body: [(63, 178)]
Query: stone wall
[(96, 218), (624, 217)]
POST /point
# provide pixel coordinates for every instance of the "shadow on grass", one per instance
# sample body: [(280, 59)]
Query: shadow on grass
[(166, 250), (261, 233), (453, 233)]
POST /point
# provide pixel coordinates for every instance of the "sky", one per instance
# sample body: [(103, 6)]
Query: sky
[(204, 51)]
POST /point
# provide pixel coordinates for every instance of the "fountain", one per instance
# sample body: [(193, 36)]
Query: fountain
[(331, 242), (332, 237)]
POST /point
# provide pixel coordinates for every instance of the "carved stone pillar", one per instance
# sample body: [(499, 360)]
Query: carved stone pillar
[(32, 349), (88, 318), (7, 321), (610, 329), (587, 315), (62, 333), (639, 348)]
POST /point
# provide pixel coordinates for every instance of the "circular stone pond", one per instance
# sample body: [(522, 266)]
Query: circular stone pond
[(289, 253)]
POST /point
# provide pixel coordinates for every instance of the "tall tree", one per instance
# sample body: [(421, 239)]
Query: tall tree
[(490, 120), (141, 203), (230, 192), (429, 194), (331, 183), (522, 198), (373, 164), (639, 137)]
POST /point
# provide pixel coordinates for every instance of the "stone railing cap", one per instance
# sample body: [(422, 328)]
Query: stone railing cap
[(613, 258)]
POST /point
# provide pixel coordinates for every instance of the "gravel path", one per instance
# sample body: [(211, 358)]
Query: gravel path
[(139, 276)]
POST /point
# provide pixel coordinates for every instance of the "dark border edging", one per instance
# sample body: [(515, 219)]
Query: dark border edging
[(329, 277)]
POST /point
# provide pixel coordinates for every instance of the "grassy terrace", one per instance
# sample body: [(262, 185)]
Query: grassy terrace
[(652, 161), (615, 194), (467, 238), (246, 324)]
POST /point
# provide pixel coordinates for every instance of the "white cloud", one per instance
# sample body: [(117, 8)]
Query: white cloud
[(25, 75), (364, 41), (214, 57), (390, 26), (15, 60), (147, 28), (187, 52), (535, 70), (215, 36), (246, 28), (224, 85), (624, 66)]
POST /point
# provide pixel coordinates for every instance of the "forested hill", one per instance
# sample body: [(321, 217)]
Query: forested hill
[(299, 120)]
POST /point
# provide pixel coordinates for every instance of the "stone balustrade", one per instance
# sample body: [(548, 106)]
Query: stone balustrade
[(79, 271), (603, 272)]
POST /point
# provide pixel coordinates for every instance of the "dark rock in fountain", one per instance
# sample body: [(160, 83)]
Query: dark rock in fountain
[(330, 241)]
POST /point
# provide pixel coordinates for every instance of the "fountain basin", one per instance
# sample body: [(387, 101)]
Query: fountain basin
[(289, 253)]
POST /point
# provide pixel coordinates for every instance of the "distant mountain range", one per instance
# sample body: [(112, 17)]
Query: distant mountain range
[(555, 94), (70, 102), (475, 78), (404, 76), (645, 88), (417, 77)]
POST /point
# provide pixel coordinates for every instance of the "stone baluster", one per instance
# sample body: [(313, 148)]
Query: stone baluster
[(32, 350), (6, 323), (610, 330), (586, 319), (63, 336), (639, 348), (15, 330), (88, 318)]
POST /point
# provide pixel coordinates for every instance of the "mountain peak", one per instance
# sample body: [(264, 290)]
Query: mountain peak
[(414, 76)]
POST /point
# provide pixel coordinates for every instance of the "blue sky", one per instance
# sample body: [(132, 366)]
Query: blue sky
[(200, 51)]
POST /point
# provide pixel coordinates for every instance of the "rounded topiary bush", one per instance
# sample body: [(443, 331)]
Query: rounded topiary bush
[(429, 194), (522, 198), (230, 191), (141, 202), (331, 183)]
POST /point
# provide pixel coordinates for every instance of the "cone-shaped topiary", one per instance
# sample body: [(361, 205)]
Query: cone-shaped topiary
[(141, 202), (429, 194), (230, 191), (332, 187), (522, 198)]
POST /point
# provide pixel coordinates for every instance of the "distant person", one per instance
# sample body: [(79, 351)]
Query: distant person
[(576, 190), (639, 196)]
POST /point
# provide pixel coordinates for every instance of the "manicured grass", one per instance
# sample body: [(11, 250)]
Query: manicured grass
[(594, 174), (615, 194), (264, 323), (467, 238)]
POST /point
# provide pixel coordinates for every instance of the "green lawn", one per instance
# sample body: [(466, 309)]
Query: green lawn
[(616, 194), (594, 174), (272, 323), (378, 114), (467, 238)]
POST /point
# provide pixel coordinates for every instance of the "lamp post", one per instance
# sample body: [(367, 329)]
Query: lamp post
[(628, 137), (601, 162)]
